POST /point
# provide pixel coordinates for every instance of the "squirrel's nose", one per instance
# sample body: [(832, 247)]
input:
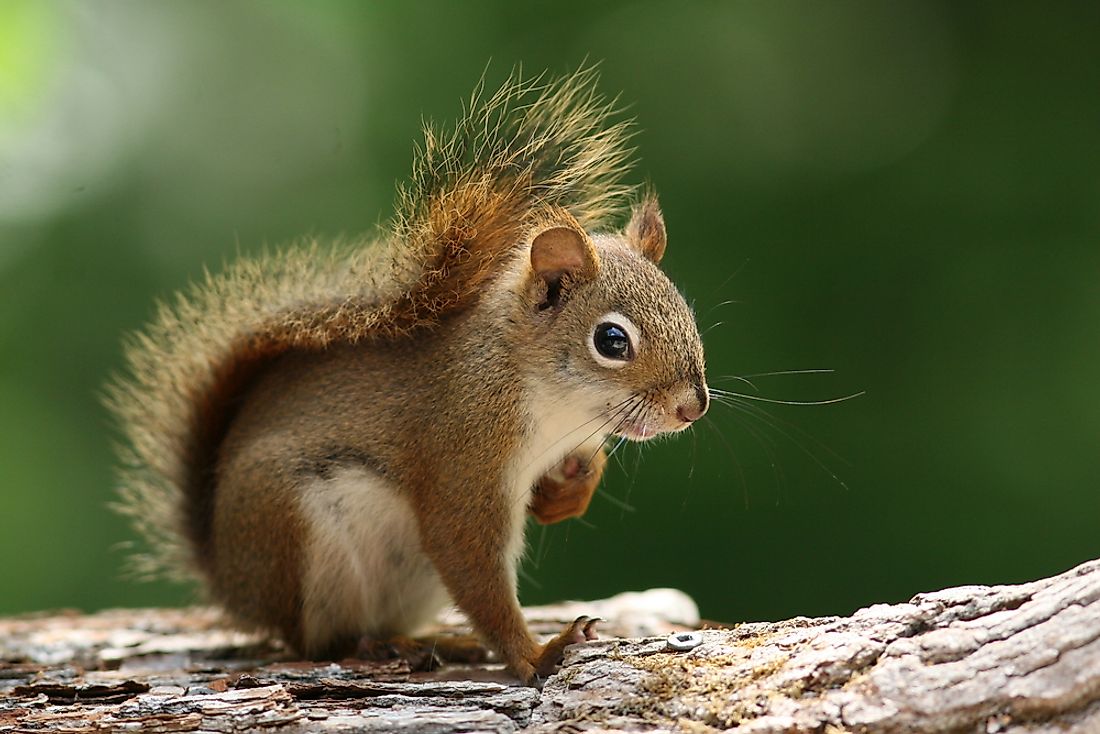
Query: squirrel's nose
[(693, 410)]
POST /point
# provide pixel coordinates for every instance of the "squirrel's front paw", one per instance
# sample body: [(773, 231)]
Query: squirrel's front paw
[(550, 655), (566, 490)]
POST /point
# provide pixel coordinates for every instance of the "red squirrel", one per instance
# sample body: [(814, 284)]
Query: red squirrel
[(339, 440)]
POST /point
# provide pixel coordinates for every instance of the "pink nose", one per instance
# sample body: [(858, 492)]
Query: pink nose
[(689, 413), (692, 411)]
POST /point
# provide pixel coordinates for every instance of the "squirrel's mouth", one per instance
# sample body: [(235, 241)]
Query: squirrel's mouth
[(637, 431), (647, 427)]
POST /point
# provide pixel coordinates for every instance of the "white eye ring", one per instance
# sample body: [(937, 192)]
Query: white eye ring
[(616, 319)]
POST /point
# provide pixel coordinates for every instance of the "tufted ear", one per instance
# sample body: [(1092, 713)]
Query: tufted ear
[(561, 255), (646, 231)]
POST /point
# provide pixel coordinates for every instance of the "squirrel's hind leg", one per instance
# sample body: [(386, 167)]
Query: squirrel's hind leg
[(363, 578), (255, 550)]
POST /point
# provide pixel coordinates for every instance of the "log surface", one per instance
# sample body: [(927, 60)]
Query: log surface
[(1010, 659)]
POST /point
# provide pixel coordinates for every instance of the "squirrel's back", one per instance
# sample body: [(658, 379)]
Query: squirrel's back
[(474, 192)]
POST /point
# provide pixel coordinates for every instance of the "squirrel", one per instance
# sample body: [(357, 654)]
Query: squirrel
[(339, 440)]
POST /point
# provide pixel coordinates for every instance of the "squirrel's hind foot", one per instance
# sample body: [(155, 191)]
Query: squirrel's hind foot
[(550, 655)]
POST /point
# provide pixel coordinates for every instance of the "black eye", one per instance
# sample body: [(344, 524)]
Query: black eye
[(611, 341)]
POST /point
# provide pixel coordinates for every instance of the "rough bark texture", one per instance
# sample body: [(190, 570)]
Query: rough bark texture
[(971, 659)]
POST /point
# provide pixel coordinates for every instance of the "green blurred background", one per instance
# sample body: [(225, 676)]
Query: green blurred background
[(907, 193)]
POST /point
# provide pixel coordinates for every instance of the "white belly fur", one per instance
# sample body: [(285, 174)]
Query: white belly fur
[(366, 574)]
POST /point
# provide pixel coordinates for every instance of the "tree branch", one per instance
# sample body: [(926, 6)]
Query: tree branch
[(1011, 659)]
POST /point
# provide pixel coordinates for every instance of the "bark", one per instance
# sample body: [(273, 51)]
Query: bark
[(971, 659)]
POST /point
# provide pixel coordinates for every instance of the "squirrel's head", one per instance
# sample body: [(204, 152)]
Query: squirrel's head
[(615, 337)]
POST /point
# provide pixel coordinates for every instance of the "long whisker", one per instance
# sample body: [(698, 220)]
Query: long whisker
[(540, 551), (744, 379), (790, 372), (773, 421), (747, 379), (622, 505), (733, 458), (528, 578), (624, 409), (727, 302), (616, 447), (748, 410), (725, 282), (715, 325), (585, 523), (767, 445), (608, 417), (619, 414), (716, 393), (622, 422), (641, 409), (694, 455)]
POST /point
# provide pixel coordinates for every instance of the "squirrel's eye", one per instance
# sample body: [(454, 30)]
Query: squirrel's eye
[(612, 342)]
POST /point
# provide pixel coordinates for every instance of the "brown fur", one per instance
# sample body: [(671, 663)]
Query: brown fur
[(647, 228), (474, 192), (419, 358)]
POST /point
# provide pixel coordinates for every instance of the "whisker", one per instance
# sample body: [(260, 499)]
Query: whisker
[(641, 409), (644, 407), (744, 379), (621, 407), (637, 467), (621, 441), (725, 282), (727, 302), (747, 379), (733, 458), (791, 372), (615, 448), (540, 550), (528, 578), (715, 392), (773, 421), (746, 409), (608, 418), (628, 416), (691, 490), (622, 505), (619, 415), (694, 455), (619, 461), (767, 445), (715, 325)]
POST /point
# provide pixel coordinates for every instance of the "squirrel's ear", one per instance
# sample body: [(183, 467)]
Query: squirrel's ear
[(646, 231), (562, 254)]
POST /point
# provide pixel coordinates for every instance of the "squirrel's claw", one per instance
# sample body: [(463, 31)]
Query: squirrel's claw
[(579, 630)]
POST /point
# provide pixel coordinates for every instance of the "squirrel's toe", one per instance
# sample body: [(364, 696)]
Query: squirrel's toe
[(579, 630)]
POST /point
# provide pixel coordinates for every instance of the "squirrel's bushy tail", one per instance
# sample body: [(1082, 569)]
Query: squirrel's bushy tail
[(473, 194)]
